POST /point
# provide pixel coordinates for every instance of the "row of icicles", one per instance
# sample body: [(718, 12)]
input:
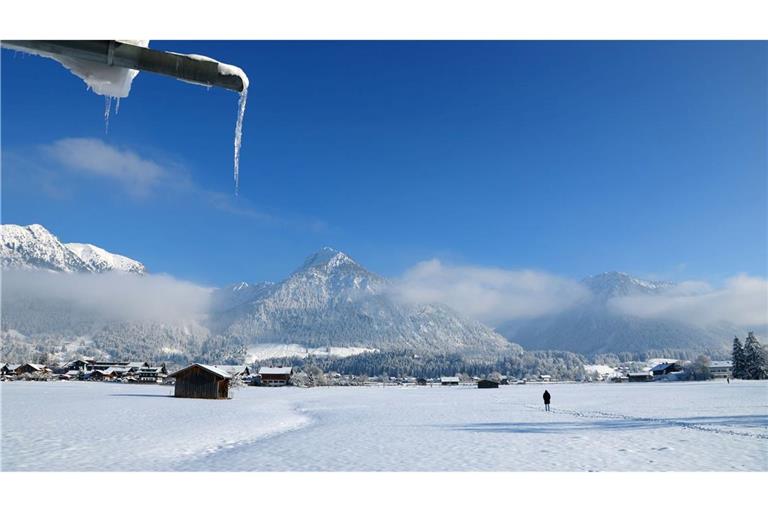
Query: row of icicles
[(238, 128)]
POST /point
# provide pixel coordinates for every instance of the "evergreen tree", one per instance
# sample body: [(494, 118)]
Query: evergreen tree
[(755, 358), (739, 368)]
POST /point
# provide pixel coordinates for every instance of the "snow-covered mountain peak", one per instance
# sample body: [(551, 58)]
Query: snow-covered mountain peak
[(34, 247), (102, 260), (621, 284), (328, 259)]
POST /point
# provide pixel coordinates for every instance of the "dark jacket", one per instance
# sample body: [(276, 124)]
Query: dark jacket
[(546, 396)]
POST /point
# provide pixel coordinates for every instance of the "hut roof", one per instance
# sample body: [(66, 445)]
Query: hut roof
[(212, 369), (449, 379)]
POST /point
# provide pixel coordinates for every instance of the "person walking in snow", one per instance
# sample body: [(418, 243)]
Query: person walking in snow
[(547, 396)]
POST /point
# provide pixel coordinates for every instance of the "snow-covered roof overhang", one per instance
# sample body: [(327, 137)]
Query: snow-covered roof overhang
[(85, 58)]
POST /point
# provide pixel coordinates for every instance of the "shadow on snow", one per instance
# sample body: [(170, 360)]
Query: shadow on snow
[(748, 421)]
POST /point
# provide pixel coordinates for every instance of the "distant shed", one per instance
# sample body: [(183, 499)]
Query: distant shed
[(201, 381), (487, 384), (449, 381)]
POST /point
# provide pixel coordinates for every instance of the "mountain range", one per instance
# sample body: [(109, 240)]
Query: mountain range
[(34, 247), (330, 304)]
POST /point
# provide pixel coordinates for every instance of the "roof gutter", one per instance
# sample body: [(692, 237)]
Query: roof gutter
[(125, 55)]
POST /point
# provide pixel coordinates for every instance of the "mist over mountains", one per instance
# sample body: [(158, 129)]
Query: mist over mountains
[(602, 323), (78, 299), (53, 296)]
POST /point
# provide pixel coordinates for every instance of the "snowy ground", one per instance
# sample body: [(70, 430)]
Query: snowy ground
[(592, 427)]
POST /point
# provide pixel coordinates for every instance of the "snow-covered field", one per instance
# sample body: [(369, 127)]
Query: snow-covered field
[(592, 427)]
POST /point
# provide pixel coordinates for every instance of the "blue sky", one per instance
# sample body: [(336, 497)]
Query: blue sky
[(569, 157)]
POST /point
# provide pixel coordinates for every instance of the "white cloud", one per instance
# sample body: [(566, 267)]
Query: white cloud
[(742, 300), (109, 296), (94, 157), (139, 176), (491, 295)]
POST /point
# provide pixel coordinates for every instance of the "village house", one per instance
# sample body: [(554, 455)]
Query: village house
[(449, 381), (662, 369), (80, 365), (487, 384), (99, 375), (721, 369), (31, 368), (8, 369), (201, 381), (151, 374), (639, 377), (421, 381), (275, 376)]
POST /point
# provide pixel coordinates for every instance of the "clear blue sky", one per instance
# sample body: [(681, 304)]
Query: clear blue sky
[(570, 157)]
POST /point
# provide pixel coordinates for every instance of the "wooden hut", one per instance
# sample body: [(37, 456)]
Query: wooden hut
[(201, 381), (487, 384)]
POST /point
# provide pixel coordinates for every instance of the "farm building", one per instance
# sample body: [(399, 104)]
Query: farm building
[(79, 365), (487, 384), (8, 369), (666, 368), (449, 381), (152, 374), (640, 377), (421, 381), (720, 369), (31, 368), (275, 376), (201, 381)]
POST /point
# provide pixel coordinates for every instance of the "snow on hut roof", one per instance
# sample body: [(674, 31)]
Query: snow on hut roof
[(662, 366), (271, 370), (720, 364), (449, 379), (212, 369)]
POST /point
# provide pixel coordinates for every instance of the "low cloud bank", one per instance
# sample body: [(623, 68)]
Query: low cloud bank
[(495, 296), (109, 296), (490, 295), (742, 300)]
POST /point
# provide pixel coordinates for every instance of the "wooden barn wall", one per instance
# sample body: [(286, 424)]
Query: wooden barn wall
[(197, 383)]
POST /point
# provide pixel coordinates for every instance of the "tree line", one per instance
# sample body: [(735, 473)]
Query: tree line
[(750, 360)]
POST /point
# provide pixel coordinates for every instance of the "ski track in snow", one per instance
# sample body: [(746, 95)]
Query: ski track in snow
[(660, 421), (651, 420)]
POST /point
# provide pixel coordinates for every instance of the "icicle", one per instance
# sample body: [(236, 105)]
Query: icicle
[(239, 136), (107, 108), (117, 106)]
